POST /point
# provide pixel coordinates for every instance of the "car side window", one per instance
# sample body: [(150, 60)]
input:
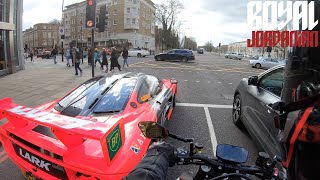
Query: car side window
[(143, 93), (171, 52), (273, 82), (154, 84)]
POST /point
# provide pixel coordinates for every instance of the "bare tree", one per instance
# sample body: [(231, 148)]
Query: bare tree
[(166, 15), (54, 21), (209, 46)]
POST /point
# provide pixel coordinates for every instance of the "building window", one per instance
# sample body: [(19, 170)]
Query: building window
[(73, 21), (49, 27), (128, 10), (44, 27), (134, 1), (72, 29), (115, 12), (114, 22), (134, 10), (44, 34), (128, 21)]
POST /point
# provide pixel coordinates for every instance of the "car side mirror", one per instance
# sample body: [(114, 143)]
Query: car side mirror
[(253, 80)]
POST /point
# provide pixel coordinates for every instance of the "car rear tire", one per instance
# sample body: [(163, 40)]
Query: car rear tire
[(184, 59), (258, 66), (158, 58), (237, 111), (139, 55)]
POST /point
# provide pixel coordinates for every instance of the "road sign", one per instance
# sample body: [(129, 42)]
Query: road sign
[(61, 30)]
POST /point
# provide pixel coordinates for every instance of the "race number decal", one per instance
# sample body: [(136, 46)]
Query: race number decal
[(114, 142)]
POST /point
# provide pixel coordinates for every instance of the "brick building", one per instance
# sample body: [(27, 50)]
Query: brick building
[(128, 22)]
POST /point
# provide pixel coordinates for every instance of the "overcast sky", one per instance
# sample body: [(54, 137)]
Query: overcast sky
[(206, 20)]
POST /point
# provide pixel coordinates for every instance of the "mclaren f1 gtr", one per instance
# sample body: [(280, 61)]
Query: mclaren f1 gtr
[(92, 132)]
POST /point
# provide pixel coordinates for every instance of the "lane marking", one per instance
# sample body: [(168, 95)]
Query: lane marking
[(198, 69), (5, 157), (205, 105), (2, 153), (211, 130)]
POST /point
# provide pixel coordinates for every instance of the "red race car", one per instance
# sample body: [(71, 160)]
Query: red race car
[(92, 132)]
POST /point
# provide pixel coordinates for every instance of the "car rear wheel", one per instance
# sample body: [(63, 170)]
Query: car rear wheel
[(236, 111), (184, 59), (158, 58), (258, 65), (139, 55)]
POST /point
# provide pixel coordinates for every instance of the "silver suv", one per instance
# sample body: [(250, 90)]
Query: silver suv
[(234, 56)]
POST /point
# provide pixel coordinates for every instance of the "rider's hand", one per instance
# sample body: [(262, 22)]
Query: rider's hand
[(166, 148)]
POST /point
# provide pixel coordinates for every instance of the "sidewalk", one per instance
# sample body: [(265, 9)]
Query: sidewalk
[(43, 81)]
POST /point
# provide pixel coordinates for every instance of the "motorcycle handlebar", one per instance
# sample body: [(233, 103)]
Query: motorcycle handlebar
[(226, 167)]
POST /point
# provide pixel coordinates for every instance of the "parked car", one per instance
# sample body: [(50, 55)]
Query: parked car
[(200, 51), (265, 62), (138, 52), (254, 57), (46, 55), (252, 100), (234, 56), (183, 55)]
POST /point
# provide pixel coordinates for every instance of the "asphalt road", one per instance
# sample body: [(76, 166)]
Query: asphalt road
[(205, 94)]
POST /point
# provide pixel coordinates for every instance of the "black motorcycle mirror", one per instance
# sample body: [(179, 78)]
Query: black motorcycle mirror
[(155, 131)]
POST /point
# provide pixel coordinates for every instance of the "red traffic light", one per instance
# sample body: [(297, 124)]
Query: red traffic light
[(90, 3)]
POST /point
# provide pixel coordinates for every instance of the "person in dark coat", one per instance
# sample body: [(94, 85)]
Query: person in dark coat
[(114, 59), (104, 60)]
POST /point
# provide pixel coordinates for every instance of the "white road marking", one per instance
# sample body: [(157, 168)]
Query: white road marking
[(205, 105), (211, 131), (198, 81), (186, 80)]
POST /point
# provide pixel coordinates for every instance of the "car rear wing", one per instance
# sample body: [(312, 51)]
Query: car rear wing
[(71, 131)]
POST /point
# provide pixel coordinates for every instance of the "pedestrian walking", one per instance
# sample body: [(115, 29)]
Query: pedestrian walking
[(81, 51), (90, 61), (77, 59), (97, 58), (71, 54), (104, 60), (31, 55), (114, 59), (125, 54), (54, 53), (68, 56)]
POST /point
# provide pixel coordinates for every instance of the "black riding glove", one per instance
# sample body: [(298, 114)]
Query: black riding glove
[(166, 148)]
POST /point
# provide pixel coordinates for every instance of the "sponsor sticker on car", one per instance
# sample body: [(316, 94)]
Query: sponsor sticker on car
[(114, 142)]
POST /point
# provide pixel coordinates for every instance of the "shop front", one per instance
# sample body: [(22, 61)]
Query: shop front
[(11, 49)]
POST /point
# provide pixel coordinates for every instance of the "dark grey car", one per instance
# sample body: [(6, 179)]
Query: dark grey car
[(251, 108)]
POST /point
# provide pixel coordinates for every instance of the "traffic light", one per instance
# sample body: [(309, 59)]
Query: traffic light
[(102, 18), (91, 14), (219, 44)]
